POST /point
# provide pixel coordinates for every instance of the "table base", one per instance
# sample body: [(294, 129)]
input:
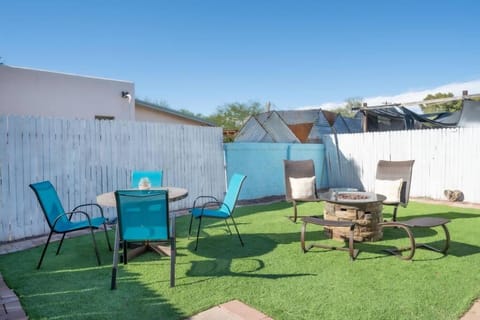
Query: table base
[(162, 248), (365, 216)]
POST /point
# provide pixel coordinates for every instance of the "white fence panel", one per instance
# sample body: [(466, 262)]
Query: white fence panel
[(444, 159), (84, 158)]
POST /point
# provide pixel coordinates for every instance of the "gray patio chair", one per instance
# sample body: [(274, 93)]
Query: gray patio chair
[(394, 171), (298, 169)]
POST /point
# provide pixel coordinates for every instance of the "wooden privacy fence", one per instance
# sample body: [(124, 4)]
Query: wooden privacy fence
[(84, 158), (444, 159)]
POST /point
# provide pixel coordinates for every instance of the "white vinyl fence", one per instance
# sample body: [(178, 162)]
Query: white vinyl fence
[(444, 159), (84, 158)]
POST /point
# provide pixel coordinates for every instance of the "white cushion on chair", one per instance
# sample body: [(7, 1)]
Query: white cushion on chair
[(302, 188), (390, 189)]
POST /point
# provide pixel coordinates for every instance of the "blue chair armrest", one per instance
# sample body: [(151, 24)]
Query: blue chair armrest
[(203, 197), (91, 205)]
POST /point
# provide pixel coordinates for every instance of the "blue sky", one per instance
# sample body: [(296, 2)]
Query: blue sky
[(199, 55)]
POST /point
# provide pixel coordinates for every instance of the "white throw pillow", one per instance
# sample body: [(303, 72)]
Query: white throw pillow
[(302, 188), (390, 189)]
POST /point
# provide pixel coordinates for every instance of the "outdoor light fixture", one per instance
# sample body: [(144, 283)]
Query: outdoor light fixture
[(127, 95)]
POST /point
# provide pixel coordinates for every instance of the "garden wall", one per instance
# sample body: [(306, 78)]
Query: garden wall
[(262, 163)]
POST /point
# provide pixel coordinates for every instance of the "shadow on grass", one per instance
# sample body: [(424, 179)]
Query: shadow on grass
[(457, 249), (223, 250), (72, 286), (99, 302), (452, 215)]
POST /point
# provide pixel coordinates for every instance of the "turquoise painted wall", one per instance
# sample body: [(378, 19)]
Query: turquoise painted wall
[(262, 163)]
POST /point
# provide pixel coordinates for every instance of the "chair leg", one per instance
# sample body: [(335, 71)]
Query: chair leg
[(172, 264), (115, 260), (124, 252), (60, 244), (44, 250), (294, 211), (228, 227), (198, 231), (95, 247), (351, 250), (238, 233), (294, 217), (173, 254), (302, 236), (106, 236), (190, 227), (394, 217)]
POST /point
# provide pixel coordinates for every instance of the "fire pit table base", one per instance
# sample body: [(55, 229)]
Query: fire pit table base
[(366, 217)]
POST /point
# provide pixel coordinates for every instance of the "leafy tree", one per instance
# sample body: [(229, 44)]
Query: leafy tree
[(440, 107), (160, 103), (191, 114), (350, 103), (233, 115), (164, 104)]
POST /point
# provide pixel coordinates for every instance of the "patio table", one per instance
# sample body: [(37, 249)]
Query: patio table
[(174, 194)]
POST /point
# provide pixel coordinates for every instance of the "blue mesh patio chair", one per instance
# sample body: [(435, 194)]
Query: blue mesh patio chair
[(60, 221), (223, 210), (155, 178), (143, 215)]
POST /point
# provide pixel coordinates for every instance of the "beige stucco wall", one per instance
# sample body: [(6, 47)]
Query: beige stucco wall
[(148, 114), (32, 92)]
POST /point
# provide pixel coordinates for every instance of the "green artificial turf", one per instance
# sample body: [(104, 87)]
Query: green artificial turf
[(270, 273)]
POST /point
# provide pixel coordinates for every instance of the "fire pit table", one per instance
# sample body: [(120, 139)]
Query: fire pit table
[(363, 208)]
